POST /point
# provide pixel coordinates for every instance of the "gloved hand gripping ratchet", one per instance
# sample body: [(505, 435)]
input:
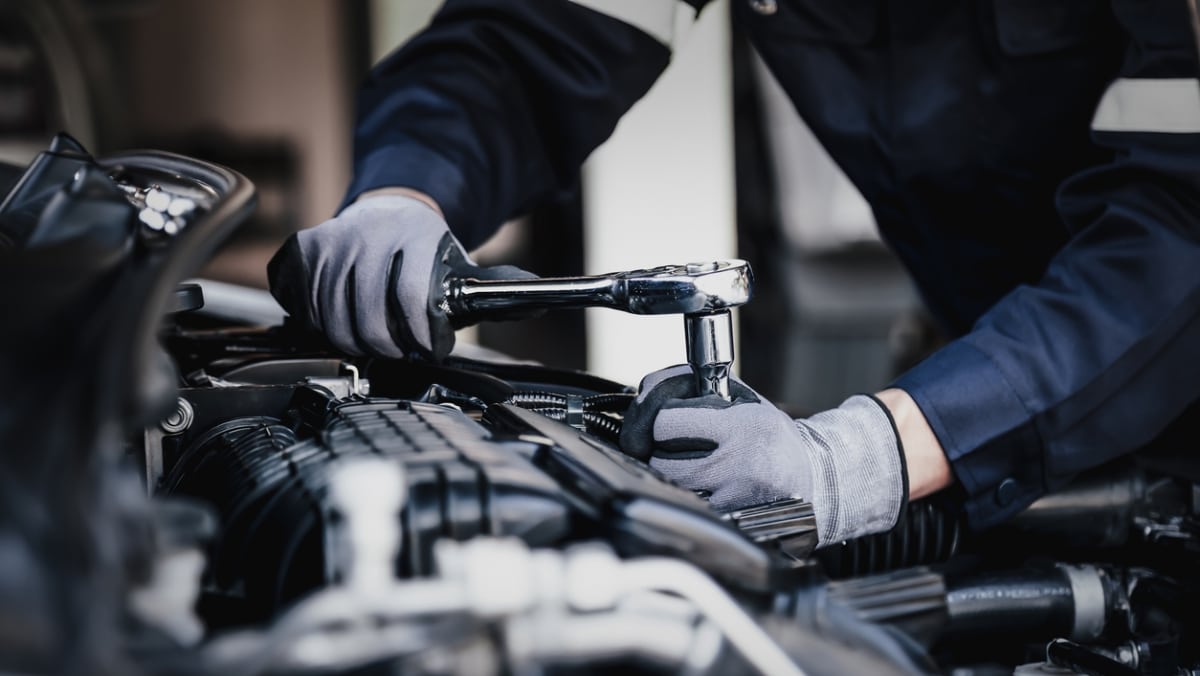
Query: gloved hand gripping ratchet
[(702, 292)]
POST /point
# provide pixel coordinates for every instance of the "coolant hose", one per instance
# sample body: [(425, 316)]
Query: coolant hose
[(1063, 601)]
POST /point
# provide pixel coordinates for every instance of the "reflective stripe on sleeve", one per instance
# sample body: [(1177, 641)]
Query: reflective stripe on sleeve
[(654, 17), (1168, 106)]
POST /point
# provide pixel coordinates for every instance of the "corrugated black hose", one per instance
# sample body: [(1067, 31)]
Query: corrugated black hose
[(600, 413)]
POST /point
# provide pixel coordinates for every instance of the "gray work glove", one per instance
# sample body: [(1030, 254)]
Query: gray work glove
[(371, 278), (846, 461)]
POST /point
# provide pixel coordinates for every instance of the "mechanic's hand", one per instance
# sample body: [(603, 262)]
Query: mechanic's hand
[(847, 461), (370, 279)]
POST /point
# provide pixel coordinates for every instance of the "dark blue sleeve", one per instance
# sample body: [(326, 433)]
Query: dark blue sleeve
[(1104, 352), (495, 105)]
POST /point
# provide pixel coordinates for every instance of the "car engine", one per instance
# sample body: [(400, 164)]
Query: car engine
[(193, 485)]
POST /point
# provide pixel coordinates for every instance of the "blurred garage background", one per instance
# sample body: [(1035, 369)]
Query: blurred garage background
[(712, 164)]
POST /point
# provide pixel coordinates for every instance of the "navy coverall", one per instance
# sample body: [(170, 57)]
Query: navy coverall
[(1034, 163)]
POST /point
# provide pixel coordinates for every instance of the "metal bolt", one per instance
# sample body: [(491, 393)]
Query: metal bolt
[(180, 419), (764, 7)]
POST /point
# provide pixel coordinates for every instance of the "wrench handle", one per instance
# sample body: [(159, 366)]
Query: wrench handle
[(467, 300), (667, 290)]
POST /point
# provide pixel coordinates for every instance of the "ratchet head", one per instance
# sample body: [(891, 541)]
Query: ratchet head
[(713, 288), (686, 289)]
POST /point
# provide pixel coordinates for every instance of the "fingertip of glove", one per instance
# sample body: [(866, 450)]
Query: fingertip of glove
[(635, 438), (288, 255), (502, 272), (650, 380), (653, 392), (710, 402), (287, 279), (684, 448)]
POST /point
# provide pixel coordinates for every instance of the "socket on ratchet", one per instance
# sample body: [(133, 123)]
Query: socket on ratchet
[(702, 292)]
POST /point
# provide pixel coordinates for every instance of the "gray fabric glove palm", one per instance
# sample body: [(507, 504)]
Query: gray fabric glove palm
[(370, 279), (846, 461)]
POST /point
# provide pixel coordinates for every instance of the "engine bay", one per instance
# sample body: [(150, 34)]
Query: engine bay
[(190, 492)]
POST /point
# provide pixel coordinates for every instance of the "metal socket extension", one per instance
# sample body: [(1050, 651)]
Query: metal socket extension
[(710, 350)]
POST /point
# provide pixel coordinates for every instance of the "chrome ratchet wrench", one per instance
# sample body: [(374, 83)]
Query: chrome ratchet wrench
[(702, 292)]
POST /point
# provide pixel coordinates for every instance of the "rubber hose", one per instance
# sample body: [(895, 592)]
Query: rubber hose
[(538, 400), (598, 424), (1024, 603), (924, 534), (610, 403), (602, 425)]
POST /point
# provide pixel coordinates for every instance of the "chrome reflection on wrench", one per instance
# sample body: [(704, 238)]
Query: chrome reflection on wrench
[(667, 290)]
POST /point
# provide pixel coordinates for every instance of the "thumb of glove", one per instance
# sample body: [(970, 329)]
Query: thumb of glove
[(454, 262)]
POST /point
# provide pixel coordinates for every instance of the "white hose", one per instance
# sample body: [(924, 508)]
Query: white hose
[(739, 628)]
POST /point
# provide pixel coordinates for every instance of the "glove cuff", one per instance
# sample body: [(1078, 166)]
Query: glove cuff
[(388, 202), (899, 454), (860, 483)]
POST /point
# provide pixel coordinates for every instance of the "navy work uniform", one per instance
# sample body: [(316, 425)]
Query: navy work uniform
[(1034, 163)]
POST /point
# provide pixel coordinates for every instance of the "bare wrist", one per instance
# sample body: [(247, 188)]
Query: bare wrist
[(928, 468)]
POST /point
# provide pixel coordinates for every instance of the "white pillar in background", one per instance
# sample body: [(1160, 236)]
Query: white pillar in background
[(393, 22), (661, 191)]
